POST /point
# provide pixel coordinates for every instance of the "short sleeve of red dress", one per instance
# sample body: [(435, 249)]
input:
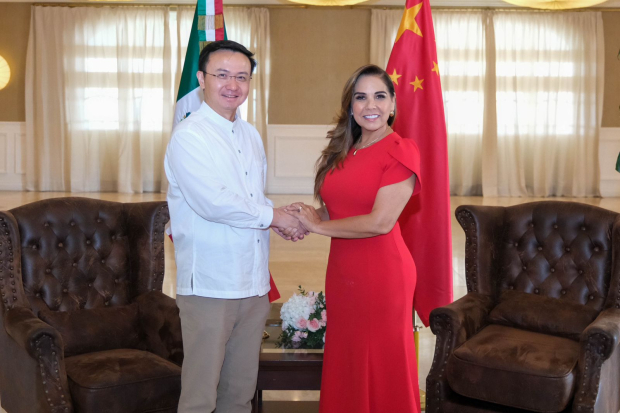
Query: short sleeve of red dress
[(402, 159)]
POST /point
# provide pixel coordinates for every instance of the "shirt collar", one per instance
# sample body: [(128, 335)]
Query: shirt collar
[(219, 119)]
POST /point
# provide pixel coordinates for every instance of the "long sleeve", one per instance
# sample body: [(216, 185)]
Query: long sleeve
[(195, 172)]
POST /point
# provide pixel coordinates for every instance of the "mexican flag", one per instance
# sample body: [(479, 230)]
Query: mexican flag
[(208, 26)]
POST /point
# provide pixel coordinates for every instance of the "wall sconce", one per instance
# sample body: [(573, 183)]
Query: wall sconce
[(5, 73)]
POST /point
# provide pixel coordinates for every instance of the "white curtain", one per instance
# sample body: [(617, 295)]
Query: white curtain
[(522, 93), (101, 84), (462, 66), (250, 27), (383, 28), (548, 103)]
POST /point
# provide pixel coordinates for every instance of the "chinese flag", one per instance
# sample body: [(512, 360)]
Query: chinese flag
[(425, 222)]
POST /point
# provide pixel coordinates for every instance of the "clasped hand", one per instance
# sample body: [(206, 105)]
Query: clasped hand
[(300, 220)]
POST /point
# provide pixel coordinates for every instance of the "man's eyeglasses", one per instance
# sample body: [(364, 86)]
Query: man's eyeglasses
[(224, 77)]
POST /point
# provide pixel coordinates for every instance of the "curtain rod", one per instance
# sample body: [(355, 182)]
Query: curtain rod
[(302, 6)]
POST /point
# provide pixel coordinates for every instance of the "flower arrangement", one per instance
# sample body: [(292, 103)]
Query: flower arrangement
[(304, 317)]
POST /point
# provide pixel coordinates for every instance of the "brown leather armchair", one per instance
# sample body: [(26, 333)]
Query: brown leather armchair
[(540, 326), (85, 326)]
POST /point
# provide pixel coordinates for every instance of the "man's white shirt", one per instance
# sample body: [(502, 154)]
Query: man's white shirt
[(219, 214)]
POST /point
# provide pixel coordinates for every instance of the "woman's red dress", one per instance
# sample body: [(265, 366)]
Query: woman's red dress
[(370, 361)]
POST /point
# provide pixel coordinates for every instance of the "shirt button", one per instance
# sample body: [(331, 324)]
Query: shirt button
[(246, 172), (239, 150), (258, 241), (261, 225), (252, 195)]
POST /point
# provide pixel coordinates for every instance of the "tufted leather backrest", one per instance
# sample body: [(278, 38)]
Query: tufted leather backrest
[(557, 249), (547, 265), (74, 253)]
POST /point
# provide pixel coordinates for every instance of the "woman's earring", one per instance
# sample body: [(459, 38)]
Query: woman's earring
[(391, 114)]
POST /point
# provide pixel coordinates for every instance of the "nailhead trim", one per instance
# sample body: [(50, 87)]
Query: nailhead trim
[(466, 219), (596, 348), (48, 359), (159, 257), (8, 294), (436, 382)]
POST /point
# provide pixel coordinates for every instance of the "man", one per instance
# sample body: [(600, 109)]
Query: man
[(216, 166)]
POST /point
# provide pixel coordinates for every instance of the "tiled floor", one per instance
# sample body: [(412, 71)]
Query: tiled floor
[(305, 262)]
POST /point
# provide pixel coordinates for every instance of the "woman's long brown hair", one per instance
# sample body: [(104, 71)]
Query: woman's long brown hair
[(347, 132)]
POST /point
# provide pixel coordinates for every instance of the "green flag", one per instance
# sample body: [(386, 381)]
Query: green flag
[(207, 26)]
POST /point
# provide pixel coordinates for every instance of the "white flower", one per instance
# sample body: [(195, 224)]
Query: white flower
[(295, 308)]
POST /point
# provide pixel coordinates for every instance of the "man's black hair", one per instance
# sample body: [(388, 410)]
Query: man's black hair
[(224, 45)]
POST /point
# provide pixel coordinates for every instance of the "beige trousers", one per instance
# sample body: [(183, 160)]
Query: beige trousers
[(221, 342)]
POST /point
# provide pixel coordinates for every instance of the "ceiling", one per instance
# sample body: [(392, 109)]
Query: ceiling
[(376, 3)]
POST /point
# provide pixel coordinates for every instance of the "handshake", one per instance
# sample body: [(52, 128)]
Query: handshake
[(293, 222)]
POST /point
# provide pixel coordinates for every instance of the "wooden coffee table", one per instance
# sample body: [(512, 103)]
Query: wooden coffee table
[(287, 370), (281, 369)]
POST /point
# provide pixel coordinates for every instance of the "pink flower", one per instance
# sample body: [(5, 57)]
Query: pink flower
[(324, 315), (314, 325), (302, 323), (297, 336)]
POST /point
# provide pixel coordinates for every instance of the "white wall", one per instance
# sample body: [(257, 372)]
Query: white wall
[(12, 138), (609, 148)]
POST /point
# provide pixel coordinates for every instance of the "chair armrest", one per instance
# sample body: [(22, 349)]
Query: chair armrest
[(453, 325), (462, 318), (27, 329), (604, 330), (599, 352), (146, 223), (161, 325), (42, 344)]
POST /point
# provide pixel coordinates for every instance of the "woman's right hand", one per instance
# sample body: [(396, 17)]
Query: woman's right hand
[(307, 215)]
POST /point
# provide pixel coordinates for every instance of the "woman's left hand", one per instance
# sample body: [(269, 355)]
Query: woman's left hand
[(306, 214)]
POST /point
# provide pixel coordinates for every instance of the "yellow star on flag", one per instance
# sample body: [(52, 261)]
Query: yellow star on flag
[(435, 68), (417, 84), (408, 22), (394, 76)]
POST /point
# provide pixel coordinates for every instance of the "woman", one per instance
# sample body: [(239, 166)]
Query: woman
[(365, 177)]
